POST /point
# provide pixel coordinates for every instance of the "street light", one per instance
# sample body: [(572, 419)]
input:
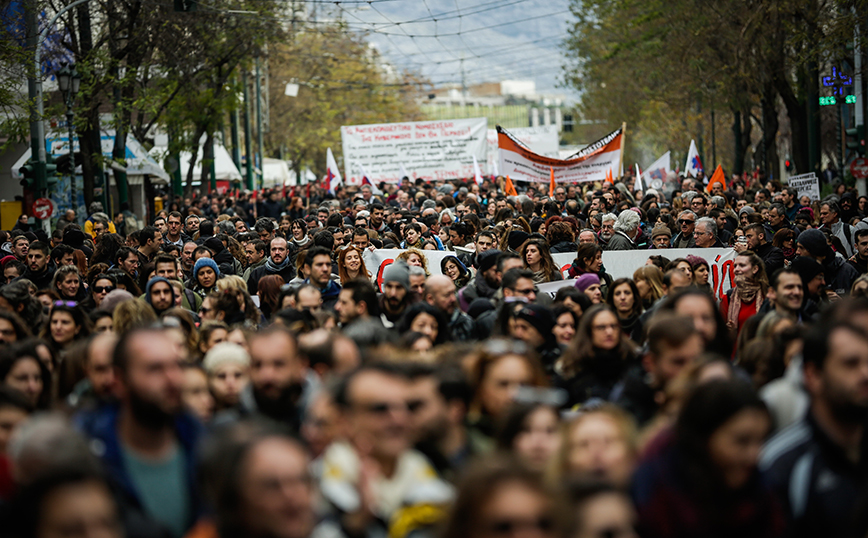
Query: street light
[(70, 82)]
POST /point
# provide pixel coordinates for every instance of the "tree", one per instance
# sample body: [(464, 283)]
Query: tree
[(342, 82)]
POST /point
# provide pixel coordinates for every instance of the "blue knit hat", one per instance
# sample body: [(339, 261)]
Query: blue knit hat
[(150, 285), (205, 262)]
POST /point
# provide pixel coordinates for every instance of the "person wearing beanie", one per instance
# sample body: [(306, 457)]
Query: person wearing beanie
[(396, 296), (160, 294), (838, 273), (227, 365), (661, 237), (813, 284), (205, 275), (534, 325), (222, 257), (486, 282), (589, 284), (744, 213)]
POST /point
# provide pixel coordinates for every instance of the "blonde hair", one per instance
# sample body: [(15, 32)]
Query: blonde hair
[(406, 257), (231, 282), (653, 276), (131, 314)]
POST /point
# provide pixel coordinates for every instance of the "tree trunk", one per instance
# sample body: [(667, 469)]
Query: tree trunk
[(207, 159), (770, 131), (194, 154), (798, 115)]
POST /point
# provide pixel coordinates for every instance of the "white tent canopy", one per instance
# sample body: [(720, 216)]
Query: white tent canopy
[(276, 172), (224, 167)]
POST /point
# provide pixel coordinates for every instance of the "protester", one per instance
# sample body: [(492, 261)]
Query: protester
[(415, 336)]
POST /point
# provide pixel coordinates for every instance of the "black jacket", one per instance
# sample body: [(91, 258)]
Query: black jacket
[(815, 481), (287, 273), (42, 280), (773, 257)]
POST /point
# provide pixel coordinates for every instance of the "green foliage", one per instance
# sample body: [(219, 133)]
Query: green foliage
[(341, 83)]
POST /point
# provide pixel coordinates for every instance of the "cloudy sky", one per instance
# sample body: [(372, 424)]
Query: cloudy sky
[(497, 39)]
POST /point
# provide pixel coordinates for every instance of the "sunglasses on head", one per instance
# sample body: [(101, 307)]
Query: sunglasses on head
[(70, 304)]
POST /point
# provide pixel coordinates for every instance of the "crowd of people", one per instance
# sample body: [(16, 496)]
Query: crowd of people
[(238, 366)]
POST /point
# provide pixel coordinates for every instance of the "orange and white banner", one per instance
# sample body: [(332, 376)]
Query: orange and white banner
[(590, 164)]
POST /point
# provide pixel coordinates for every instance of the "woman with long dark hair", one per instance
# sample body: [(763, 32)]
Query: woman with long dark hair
[(67, 323), (597, 358), (537, 258), (625, 299), (702, 478), (589, 259)]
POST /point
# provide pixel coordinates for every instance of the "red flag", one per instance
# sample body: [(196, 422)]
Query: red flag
[(509, 188), (717, 177), (552, 182)]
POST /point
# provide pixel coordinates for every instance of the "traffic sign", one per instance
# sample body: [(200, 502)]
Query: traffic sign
[(859, 168), (43, 208)]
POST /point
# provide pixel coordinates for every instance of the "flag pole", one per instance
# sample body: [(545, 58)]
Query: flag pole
[(621, 153)]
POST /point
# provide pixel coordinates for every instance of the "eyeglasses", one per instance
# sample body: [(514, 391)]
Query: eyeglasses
[(70, 304), (613, 326), (103, 289)]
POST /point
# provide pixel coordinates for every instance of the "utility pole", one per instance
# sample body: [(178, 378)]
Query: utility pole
[(860, 110), (248, 143), (34, 91), (259, 144)]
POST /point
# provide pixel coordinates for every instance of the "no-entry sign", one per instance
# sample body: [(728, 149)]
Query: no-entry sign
[(859, 168), (43, 208)]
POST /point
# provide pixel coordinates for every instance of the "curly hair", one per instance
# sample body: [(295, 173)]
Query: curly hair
[(406, 257), (559, 231)]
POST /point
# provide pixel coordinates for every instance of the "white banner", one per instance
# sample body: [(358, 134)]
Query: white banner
[(597, 162), (806, 185), (618, 263), (431, 150), (543, 140)]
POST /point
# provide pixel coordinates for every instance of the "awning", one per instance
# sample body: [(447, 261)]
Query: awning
[(138, 162)]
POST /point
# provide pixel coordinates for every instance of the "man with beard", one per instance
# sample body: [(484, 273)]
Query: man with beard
[(397, 295), (278, 263), (607, 228), (160, 294), (279, 381), (146, 442), (40, 268), (486, 282), (372, 475), (817, 466)]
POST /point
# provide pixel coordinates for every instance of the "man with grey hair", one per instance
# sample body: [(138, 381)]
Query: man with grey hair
[(607, 228), (705, 234), (417, 280), (686, 222), (626, 231)]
